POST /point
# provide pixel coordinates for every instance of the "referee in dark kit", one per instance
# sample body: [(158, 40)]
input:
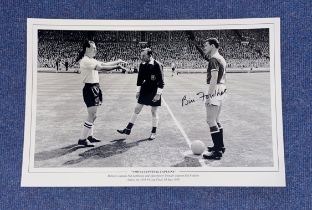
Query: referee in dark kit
[(150, 84)]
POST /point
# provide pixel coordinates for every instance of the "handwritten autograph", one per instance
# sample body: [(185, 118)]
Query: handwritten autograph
[(201, 96)]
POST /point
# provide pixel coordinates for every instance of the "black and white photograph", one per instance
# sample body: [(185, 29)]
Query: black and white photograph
[(153, 103)]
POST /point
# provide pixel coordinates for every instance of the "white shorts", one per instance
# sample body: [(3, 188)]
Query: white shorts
[(218, 95)]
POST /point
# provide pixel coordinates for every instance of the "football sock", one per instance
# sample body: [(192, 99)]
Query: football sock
[(129, 126), (214, 131), (91, 130), (85, 130), (154, 129), (220, 137)]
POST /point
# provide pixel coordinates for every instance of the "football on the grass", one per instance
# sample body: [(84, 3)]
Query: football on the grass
[(198, 147)]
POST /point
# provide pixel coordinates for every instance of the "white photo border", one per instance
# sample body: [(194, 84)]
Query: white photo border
[(117, 176)]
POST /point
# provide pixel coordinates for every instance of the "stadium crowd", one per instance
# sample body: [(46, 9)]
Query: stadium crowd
[(241, 48)]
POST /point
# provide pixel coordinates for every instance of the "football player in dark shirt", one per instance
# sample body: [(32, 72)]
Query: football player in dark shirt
[(216, 91), (150, 83)]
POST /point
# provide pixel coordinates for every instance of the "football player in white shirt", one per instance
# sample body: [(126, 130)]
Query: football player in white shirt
[(92, 93)]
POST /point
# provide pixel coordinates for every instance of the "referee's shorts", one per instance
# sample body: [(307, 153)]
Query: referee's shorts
[(92, 94), (147, 95)]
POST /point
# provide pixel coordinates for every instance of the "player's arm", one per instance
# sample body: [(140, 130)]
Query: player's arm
[(191, 37), (213, 82), (160, 84), (113, 63), (101, 67), (214, 76), (140, 81), (200, 50), (109, 66)]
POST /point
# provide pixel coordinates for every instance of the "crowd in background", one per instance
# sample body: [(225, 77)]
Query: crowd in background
[(240, 48)]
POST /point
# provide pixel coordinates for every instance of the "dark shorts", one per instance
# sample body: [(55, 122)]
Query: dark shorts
[(92, 94), (173, 68), (147, 95)]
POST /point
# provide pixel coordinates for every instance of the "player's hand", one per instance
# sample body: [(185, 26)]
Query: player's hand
[(123, 68), (193, 42), (190, 35), (208, 101), (156, 98), (137, 95)]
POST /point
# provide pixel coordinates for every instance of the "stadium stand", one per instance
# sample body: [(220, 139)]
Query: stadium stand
[(243, 49)]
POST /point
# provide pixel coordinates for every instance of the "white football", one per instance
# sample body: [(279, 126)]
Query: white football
[(198, 147)]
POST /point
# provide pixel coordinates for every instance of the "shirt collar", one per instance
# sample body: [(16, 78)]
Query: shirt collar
[(151, 61)]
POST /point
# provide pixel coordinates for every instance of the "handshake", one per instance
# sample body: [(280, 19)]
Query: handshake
[(120, 66)]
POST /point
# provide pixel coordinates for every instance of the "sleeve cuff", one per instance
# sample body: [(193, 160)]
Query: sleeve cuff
[(138, 88), (159, 91)]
